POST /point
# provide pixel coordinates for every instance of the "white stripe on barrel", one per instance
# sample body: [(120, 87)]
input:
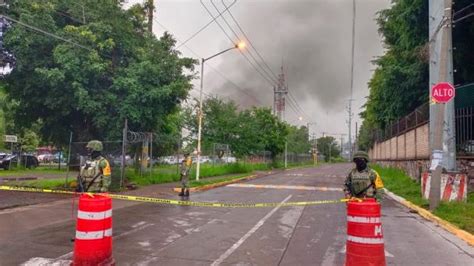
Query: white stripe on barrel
[(94, 215), (365, 240), (364, 220), (94, 235)]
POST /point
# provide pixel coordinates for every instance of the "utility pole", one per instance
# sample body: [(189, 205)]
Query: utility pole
[(124, 150), (352, 76), (442, 136), (356, 145), (279, 96), (150, 9), (342, 144)]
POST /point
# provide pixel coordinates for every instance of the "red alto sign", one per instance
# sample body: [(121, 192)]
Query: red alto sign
[(442, 92)]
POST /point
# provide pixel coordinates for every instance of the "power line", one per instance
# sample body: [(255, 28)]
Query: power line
[(49, 34), (249, 51), (245, 56), (268, 72), (249, 41), (215, 69), (205, 26)]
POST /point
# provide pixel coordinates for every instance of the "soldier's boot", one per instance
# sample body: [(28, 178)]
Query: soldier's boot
[(181, 194), (187, 193)]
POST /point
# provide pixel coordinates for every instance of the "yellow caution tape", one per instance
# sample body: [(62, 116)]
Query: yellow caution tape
[(182, 202)]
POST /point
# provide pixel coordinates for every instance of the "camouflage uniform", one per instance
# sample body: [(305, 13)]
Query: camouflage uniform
[(96, 173), (365, 183), (184, 172)]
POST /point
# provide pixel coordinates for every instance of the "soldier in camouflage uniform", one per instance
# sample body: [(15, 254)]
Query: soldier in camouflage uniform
[(362, 181), (95, 175), (184, 172)]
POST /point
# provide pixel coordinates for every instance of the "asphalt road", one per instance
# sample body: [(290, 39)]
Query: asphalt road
[(150, 234)]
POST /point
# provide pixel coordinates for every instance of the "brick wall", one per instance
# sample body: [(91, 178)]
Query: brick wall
[(410, 152), (412, 145)]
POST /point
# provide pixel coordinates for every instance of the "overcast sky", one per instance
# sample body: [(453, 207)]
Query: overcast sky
[(311, 38)]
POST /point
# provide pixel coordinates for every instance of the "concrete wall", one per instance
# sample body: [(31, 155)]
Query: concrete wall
[(412, 145), (410, 152)]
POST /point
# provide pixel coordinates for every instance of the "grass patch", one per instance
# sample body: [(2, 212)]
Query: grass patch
[(204, 182), (159, 175), (164, 175), (38, 170), (401, 184), (41, 183), (459, 213)]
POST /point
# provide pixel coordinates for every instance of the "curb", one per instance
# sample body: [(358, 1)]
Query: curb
[(220, 184), (464, 235)]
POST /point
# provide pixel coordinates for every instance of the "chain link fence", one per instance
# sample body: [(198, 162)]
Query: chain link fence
[(112, 151)]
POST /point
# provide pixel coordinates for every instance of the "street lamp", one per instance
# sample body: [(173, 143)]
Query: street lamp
[(240, 45)]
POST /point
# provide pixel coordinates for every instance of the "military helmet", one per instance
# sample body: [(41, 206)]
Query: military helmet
[(95, 145), (362, 155)]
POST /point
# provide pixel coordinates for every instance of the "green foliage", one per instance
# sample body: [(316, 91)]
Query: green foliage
[(366, 136), (463, 34), (400, 81), (298, 140), (126, 73), (246, 132), (328, 147), (207, 170), (42, 183), (458, 213), (398, 182), (204, 182), (29, 141), (272, 132)]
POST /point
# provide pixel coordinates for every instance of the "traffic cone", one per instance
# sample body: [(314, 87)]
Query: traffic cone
[(93, 241), (365, 245)]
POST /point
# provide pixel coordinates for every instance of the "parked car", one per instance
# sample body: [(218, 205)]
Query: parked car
[(46, 157), (59, 157), (28, 161)]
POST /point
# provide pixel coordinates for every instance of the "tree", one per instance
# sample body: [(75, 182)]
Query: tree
[(29, 141), (247, 132), (401, 80), (298, 141), (399, 83), (328, 147), (272, 132), (125, 72)]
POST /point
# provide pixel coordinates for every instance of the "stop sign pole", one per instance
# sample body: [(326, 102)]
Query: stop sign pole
[(441, 74)]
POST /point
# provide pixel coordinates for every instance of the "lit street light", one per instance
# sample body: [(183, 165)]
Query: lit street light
[(240, 45)]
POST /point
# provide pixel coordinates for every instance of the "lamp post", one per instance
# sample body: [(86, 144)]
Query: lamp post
[(240, 45)]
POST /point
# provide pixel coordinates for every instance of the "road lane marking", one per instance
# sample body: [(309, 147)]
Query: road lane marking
[(136, 227), (237, 244), (286, 187), (45, 261)]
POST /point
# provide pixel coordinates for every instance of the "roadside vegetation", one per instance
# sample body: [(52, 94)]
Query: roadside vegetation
[(25, 171), (162, 174), (397, 181)]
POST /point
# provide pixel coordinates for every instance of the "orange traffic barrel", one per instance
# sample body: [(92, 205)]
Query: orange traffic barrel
[(93, 241), (365, 245)]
